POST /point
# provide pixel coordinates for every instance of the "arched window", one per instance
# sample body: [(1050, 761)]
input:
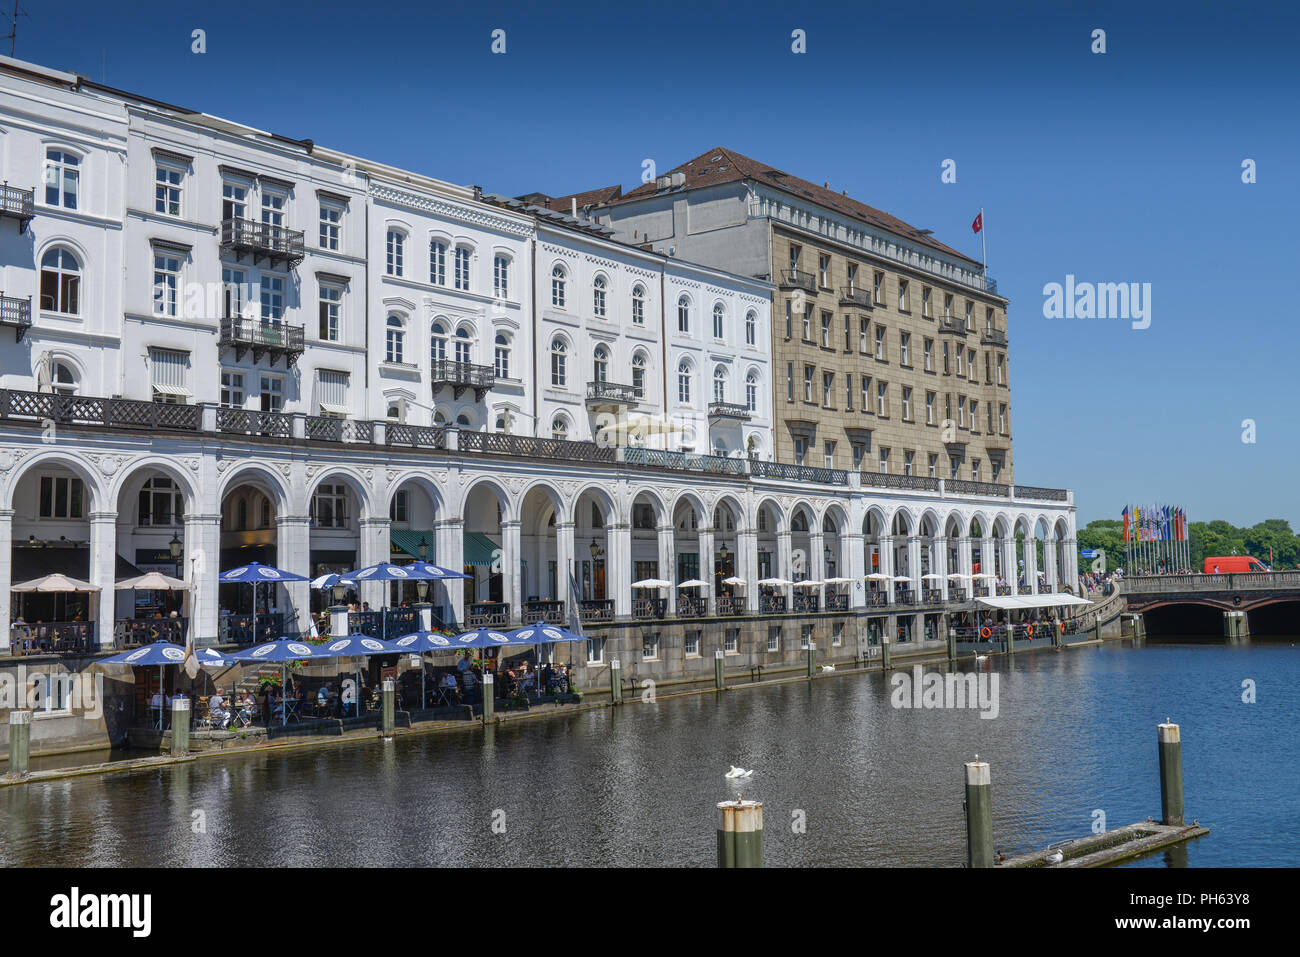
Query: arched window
[(63, 378), (598, 288), (751, 391), (684, 314), (501, 356), (501, 276), (751, 328), (720, 384), (684, 381), (559, 359), (395, 343), (462, 420), (161, 502), (462, 267), (600, 364), (439, 418), (719, 323), (61, 282), (395, 410), (396, 261), (463, 345), (638, 304), (62, 178), (638, 375), (438, 341), (559, 428), (559, 278)]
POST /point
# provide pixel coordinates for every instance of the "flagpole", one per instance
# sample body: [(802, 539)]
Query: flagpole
[(984, 249)]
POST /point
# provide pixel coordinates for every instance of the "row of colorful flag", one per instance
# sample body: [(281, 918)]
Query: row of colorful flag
[(1155, 523)]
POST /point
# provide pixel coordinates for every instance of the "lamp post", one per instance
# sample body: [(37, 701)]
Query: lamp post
[(176, 546), (423, 549)]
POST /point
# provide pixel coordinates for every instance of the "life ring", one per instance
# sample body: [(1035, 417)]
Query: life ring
[(986, 632), (1029, 630)]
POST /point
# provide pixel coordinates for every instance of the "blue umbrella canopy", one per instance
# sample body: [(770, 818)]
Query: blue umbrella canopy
[(418, 642), (415, 571), (481, 638), (259, 574), (212, 658), (355, 646), (281, 650), (158, 653), (541, 633)]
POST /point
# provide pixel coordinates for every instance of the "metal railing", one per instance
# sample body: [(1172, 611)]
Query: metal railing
[(806, 601), (503, 443), (853, 296), (464, 374), (543, 610), (993, 337), (1041, 494), (612, 392), (596, 609), (52, 637), (262, 239), (416, 436), (133, 632), (488, 614), (952, 325), (683, 461), (384, 623), (798, 278), (728, 605), (691, 607), (238, 332), (878, 599), (965, 487), (649, 607), (837, 602), (87, 410), (771, 604), (890, 480), (247, 629), (252, 422), (797, 473), (729, 410), (326, 428), (904, 595), (16, 313)]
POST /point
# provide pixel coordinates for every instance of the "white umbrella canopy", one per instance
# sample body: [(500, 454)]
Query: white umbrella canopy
[(53, 583), (931, 576), (808, 583), (957, 576), (693, 583), (899, 578), (838, 581), (988, 575), (151, 581), (733, 580), (652, 583), (775, 582), (879, 577)]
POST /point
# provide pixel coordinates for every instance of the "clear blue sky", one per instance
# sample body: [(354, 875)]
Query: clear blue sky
[(1122, 167)]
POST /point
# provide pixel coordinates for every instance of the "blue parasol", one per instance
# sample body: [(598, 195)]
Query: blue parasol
[(159, 654)]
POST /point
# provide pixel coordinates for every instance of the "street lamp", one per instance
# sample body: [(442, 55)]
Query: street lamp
[(340, 590), (422, 589), (423, 549), (595, 549), (176, 547)]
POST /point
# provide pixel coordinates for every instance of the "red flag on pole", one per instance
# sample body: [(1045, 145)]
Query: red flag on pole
[(979, 222)]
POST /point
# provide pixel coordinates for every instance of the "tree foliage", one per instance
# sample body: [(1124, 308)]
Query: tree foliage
[(1208, 539)]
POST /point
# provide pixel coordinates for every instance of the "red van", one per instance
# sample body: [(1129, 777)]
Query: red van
[(1229, 564)]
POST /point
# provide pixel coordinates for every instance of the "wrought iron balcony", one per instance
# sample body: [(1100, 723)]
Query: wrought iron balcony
[(248, 237), (543, 610), (276, 338), (730, 605), (488, 614), (993, 337), (461, 376), (854, 296), (952, 325), (19, 204), (690, 607), (806, 601), (771, 604), (596, 609), (729, 410), (17, 314), (798, 279), (649, 607), (610, 394)]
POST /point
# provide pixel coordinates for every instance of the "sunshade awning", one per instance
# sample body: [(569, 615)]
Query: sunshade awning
[(1046, 600), (479, 550), (408, 540)]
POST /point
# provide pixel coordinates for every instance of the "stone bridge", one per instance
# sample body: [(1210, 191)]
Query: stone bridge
[(1259, 602)]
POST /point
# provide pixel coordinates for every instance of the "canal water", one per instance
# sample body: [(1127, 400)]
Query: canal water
[(846, 778)]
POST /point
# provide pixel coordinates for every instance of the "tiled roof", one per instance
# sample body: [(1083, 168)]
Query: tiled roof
[(721, 165), (563, 204)]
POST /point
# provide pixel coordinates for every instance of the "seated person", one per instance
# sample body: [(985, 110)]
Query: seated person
[(470, 681), (323, 697)]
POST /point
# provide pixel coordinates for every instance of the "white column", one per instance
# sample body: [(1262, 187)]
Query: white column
[(293, 554), (1071, 560), (374, 547), (785, 558), (511, 587), (449, 545), (618, 568), (965, 564), (1031, 563), (856, 569), (6, 573), (914, 564), (103, 568), (1012, 570), (202, 565), (940, 566), (564, 545), (747, 566), (706, 570), (1049, 559)]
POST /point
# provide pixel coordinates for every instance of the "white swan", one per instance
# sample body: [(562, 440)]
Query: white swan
[(981, 657), (1055, 857), (736, 772)]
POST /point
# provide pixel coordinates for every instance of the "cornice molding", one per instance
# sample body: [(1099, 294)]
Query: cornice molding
[(450, 210)]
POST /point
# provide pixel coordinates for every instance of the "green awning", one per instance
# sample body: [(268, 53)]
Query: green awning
[(408, 540), (479, 549)]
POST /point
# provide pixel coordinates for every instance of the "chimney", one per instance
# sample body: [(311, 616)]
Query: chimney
[(573, 206)]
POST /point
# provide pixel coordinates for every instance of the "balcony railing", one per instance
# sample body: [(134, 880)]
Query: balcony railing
[(690, 607), (488, 614), (956, 594), (19, 204), (889, 480), (247, 237), (683, 461), (729, 410), (798, 279), (16, 314), (251, 422), (601, 392), (649, 607), (416, 436), (545, 610), (1042, 494), (730, 605), (953, 325), (503, 443), (993, 337), (797, 473), (389, 623), (1004, 589), (323, 428), (52, 637), (904, 595), (134, 632), (853, 296), (807, 601), (461, 376), (878, 599), (596, 609), (276, 338), (963, 487), (88, 410), (837, 602), (247, 629), (771, 604)]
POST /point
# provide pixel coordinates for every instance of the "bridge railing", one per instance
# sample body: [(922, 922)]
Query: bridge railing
[(1163, 584)]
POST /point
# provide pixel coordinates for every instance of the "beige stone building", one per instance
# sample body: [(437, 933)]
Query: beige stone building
[(889, 348)]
